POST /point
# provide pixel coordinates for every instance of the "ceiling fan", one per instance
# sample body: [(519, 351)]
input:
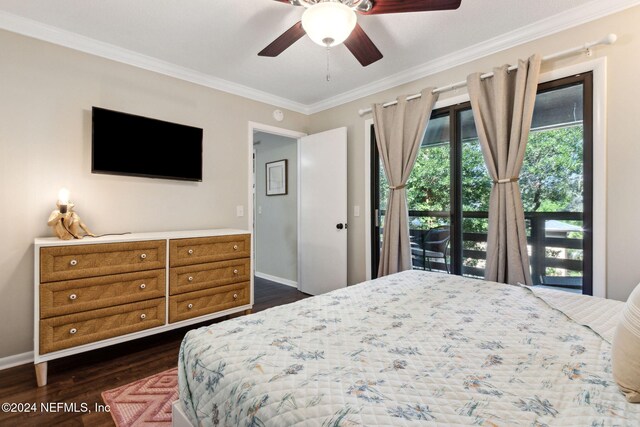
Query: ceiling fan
[(331, 22)]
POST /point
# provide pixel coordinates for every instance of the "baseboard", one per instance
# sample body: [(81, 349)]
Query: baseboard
[(16, 360), (276, 279)]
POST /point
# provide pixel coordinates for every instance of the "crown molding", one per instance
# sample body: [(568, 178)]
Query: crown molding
[(38, 30), (591, 11)]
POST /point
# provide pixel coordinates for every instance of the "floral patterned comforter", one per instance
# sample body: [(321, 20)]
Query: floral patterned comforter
[(411, 348)]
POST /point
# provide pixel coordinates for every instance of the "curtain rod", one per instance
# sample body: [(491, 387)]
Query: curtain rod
[(608, 39)]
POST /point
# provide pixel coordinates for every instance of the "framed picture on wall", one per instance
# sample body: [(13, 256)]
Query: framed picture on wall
[(277, 178)]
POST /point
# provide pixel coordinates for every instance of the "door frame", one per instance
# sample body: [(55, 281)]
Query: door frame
[(598, 67), (289, 133)]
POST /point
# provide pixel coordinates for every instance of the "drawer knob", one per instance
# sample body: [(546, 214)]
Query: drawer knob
[(235, 296), (190, 251), (143, 316), (235, 271), (73, 296), (142, 286), (190, 306), (73, 331), (143, 256), (235, 247), (73, 262), (190, 278)]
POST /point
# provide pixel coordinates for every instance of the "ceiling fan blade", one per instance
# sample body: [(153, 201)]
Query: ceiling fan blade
[(400, 6), (285, 40), (362, 47)]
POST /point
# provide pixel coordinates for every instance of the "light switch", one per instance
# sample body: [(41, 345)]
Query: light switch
[(259, 209), (356, 210), (240, 210)]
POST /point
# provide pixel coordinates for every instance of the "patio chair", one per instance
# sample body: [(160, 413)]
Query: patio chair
[(432, 245)]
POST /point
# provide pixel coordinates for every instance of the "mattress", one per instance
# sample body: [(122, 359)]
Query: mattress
[(410, 348)]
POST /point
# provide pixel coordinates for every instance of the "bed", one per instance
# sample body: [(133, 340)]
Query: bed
[(411, 348)]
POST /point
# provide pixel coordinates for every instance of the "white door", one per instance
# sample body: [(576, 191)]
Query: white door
[(322, 238)]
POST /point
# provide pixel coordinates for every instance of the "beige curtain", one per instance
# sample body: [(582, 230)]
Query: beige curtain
[(399, 132), (502, 109)]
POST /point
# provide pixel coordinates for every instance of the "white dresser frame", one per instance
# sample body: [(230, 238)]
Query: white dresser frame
[(41, 359)]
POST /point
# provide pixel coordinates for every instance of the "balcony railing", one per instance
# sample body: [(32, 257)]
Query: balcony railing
[(555, 246)]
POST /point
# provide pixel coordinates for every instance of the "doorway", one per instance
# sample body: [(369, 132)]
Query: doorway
[(316, 178), (275, 206)]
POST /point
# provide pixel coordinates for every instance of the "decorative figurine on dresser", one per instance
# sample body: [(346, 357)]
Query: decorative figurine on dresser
[(93, 293)]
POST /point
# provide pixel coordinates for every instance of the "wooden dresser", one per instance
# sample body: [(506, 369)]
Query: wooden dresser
[(96, 292)]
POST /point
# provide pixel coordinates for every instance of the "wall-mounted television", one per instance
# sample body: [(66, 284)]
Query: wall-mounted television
[(126, 144)]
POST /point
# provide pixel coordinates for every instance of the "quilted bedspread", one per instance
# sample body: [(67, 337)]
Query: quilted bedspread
[(601, 315), (411, 348)]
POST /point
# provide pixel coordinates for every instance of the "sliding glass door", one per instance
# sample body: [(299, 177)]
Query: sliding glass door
[(448, 191)]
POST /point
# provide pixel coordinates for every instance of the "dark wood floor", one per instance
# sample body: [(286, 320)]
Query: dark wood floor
[(81, 378)]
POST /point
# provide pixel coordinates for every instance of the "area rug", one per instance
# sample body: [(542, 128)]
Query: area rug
[(146, 402)]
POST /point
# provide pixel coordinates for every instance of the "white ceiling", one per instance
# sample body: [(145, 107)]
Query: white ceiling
[(215, 42)]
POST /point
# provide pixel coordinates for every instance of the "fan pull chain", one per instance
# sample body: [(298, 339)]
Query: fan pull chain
[(328, 74)]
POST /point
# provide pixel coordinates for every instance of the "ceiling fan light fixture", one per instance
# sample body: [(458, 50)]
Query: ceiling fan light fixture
[(328, 23)]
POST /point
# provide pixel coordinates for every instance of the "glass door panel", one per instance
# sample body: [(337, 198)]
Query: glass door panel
[(449, 188), (553, 181), (475, 189), (429, 199)]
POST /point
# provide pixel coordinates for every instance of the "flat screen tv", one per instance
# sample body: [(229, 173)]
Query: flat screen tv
[(126, 144)]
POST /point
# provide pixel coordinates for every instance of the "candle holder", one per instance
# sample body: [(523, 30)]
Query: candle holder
[(66, 224)]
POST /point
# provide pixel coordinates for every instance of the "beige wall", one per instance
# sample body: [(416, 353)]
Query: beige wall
[(623, 135), (46, 95), (276, 233)]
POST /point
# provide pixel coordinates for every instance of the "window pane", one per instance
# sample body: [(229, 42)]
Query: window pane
[(552, 174), (383, 192), (429, 185), (558, 108), (476, 188), (552, 185), (429, 198)]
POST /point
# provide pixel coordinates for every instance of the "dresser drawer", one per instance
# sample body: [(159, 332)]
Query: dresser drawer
[(73, 296), (72, 330), (78, 261), (208, 249), (198, 303), (204, 276)]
